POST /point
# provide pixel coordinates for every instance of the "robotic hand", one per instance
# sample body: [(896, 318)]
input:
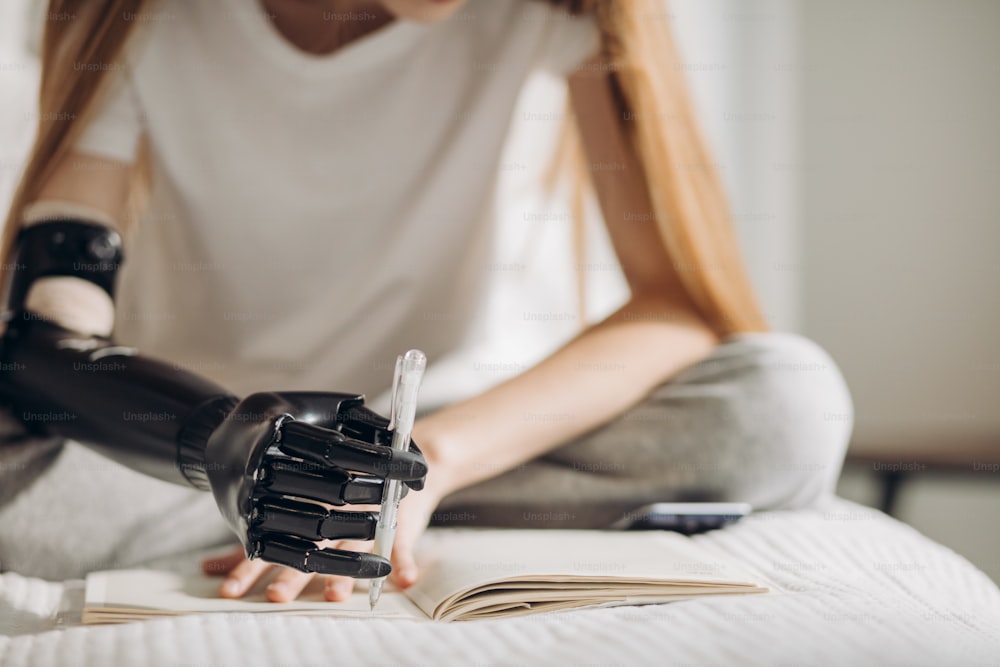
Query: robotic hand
[(272, 460), (275, 452)]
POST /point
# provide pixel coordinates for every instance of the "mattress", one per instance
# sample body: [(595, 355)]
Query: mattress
[(851, 586)]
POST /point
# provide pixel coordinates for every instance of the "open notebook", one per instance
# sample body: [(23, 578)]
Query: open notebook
[(465, 574)]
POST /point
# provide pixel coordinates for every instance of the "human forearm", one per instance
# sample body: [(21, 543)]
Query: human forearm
[(594, 377)]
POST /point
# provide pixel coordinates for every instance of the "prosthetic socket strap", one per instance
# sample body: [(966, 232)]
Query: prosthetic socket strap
[(143, 413), (64, 247)]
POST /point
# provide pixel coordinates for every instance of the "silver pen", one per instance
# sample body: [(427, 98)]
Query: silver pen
[(403, 411)]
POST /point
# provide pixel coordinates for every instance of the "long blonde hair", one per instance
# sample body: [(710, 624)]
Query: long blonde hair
[(688, 200)]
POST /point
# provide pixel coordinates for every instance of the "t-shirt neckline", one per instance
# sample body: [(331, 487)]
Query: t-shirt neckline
[(356, 55)]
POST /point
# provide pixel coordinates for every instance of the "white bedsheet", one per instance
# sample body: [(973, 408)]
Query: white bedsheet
[(852, 587)]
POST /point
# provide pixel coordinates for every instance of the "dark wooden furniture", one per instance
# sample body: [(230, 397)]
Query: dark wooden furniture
[(894, 462)]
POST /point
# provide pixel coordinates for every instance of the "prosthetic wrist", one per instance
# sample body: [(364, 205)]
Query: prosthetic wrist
[(265, 458)]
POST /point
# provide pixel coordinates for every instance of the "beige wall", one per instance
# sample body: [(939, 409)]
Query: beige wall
[(901, 228)]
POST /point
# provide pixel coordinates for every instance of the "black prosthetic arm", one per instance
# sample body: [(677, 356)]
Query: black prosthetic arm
[(265, 458), (143, 413)]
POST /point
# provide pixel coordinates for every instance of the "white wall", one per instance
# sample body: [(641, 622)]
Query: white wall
[(739, 57), (18, 86)]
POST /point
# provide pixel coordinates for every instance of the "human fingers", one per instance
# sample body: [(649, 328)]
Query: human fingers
[(242, 577), (287, 585), (414, 515)]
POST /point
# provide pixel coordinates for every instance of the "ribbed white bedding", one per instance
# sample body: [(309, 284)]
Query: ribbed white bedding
[(851, 587)]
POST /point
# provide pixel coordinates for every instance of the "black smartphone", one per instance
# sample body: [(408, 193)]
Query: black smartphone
[(687, 518)]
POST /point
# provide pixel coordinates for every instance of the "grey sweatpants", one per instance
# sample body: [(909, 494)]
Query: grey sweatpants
[(764, 419)]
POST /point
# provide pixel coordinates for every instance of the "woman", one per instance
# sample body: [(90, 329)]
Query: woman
[(320, 181)]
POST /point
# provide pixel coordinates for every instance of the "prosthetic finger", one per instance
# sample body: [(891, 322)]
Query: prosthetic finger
[(303, 479), (332, 448), (415, 484), (272, 514), (305, 556)]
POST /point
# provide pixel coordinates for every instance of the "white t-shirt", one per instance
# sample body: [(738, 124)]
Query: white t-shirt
[(314, 216)]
